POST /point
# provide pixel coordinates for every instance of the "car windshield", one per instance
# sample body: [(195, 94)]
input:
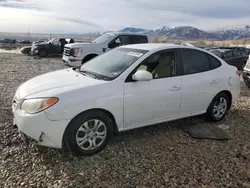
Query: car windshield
[(103, 38), (111, 64), (54, 40)]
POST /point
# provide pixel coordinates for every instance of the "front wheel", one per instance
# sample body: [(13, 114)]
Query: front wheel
[(88, 133), (43, 53), (218, 107)]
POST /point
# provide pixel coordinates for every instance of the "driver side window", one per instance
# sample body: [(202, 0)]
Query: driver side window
[(119, 41), (160, 65)]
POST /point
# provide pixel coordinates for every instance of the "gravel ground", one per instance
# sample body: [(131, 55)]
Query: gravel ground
[(155, 156)]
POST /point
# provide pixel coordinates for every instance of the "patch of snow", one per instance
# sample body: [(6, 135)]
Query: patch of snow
[(10, 51)]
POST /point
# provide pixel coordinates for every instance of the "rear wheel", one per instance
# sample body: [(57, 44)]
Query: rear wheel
[(88, 133), (43, 53), (218, 107)]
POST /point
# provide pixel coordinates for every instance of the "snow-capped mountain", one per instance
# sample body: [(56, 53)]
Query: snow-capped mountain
[(188, 32), (159, 30), (182, 32), (231, 32), (133, 29)]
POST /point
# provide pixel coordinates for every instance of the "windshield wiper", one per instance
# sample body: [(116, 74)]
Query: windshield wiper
[(88, 73), (91, 74)]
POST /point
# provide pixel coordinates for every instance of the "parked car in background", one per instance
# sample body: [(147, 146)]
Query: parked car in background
[(246, 74), (53, 46), (27, 49), (39, 41), (241, 49), (128, 87), (8, 41), (231, 56), (78, 53), (25, 42)]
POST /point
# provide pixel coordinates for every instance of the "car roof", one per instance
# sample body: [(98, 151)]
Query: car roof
[(157, 46)]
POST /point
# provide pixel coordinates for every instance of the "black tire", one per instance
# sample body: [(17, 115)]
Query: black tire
[(43, 53), (211, 113), (247, 84), (72, 131)]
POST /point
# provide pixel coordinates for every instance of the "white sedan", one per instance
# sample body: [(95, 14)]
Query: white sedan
[(129, 87)]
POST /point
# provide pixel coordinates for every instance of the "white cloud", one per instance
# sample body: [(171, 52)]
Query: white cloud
[(99, 15)]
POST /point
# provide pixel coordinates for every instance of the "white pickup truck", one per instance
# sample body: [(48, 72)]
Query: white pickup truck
[(76, 54)]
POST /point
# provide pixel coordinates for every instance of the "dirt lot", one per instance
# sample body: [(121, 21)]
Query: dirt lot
[(155, 156)]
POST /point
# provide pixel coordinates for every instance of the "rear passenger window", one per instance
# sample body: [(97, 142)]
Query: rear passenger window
[(214, 63), (136, 39), (194, 61), (124, 39)]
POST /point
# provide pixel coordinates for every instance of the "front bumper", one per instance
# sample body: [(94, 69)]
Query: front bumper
[(71, 62), (38, 127), (246, 77)]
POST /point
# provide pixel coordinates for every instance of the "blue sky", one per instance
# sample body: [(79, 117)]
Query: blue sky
[(100, 15)]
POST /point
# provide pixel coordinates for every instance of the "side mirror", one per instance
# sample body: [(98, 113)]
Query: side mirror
[(142, 75)]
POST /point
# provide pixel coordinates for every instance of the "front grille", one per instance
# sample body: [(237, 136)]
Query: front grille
[(66, 51)]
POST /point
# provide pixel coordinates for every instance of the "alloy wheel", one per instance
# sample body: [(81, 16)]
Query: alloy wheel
[(220, 107), (91, 134)]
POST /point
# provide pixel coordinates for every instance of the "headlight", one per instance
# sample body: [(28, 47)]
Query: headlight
[(76, 52), (33, 106)]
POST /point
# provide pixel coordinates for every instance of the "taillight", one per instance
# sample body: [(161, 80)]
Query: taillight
[(238, 73)]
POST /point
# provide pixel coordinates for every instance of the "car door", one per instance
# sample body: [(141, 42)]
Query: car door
[(147, 102), (200, 81), (54, 47)]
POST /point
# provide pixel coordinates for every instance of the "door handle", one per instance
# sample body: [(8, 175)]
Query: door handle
[(174, 88), (213, 82)]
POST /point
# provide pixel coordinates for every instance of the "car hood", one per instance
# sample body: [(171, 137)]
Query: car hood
[(54, 80), (83, 45), (40, 44)]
